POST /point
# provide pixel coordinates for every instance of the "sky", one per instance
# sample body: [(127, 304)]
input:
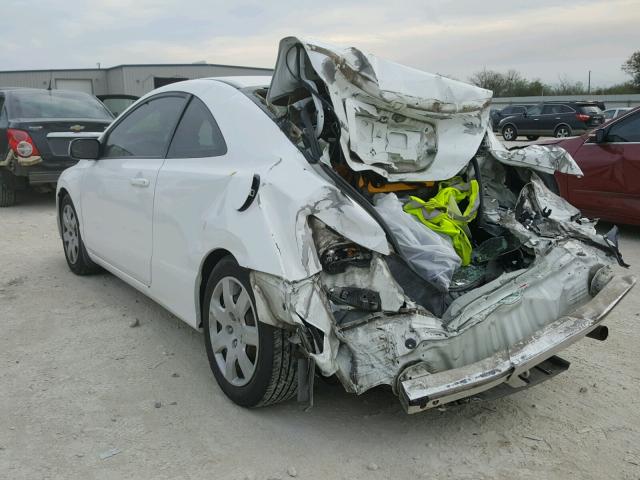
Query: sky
[(541, 39)]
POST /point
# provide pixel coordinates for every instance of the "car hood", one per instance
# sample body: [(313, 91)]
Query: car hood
[(399, 122)]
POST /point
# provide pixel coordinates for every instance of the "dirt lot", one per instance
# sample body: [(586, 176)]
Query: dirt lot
[(78, 384)]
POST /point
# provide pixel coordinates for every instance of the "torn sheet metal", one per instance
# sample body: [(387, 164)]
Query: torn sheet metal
[(542, 158), (420, 388), (366, 349), (402, 123)]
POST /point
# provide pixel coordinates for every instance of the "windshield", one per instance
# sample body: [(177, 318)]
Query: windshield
[(56, 104)]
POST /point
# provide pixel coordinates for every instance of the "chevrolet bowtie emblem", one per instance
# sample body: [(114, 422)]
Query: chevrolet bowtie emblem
[(76, 128)]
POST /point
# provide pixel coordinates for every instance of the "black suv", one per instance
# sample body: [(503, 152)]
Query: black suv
[(34, 134), (508, 111), (557, 119)]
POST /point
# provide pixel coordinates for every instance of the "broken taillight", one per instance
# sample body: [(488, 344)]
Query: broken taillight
[(21, 143)]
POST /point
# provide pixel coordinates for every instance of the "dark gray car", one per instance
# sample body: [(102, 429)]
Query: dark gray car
[(30, 152), (557, 119), (508, 111)]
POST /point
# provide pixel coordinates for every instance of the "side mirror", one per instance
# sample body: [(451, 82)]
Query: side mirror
[(84, 149), (524, 114), (600, 135)]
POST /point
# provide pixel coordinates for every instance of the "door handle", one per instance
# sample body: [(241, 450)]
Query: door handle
[(139, 182)]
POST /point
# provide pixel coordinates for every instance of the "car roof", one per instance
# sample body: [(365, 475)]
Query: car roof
[(244, 81)]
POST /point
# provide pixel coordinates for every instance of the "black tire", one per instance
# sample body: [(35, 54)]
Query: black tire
[(533, 137), (509, 132), (274, 378), (562, 131), (7, 192), (77, 257)]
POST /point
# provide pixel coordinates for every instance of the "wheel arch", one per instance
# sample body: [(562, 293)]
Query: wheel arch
[(562, 124), (509, 124), (206, 267)]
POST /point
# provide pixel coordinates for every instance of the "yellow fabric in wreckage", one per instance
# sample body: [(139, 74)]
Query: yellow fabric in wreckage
[(442, 213)]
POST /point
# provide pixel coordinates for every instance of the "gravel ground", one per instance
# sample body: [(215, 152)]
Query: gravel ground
[(84, 394)]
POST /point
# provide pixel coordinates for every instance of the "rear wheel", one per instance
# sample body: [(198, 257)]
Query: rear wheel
[(562, 131), (509, 133), (253, 362), (533, 137), (7, 191), (74, 249)]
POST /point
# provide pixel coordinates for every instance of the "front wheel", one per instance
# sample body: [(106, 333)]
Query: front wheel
[(74, 250), (509, 133), (253, 362), (562, 131)]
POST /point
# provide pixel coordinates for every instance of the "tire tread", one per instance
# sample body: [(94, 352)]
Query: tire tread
[(7, 194)]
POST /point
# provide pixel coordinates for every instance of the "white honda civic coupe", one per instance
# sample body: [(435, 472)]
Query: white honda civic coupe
[(349, 217)]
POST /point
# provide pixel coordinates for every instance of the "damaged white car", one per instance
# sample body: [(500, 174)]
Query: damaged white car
[(348, 216)]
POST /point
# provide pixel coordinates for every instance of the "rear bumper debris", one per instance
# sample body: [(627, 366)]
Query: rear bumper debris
[(419, 390)]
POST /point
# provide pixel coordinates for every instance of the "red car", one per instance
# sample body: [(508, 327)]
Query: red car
[(610, 159)]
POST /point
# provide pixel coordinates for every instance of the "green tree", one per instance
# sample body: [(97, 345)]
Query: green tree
[(632, 67)]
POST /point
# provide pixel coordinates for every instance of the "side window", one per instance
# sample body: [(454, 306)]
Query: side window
[(626, 130), (565, 109), (548, 109), (146, 131), (535, 110), (197, 134), (518, 109)]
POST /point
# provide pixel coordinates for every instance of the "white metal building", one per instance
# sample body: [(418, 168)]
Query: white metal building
[(122, 79)]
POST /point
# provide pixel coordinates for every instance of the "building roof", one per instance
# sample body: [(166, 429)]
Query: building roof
[(137, 65)]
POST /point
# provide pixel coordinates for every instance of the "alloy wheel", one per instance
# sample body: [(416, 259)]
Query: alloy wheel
[(508, 133), (233, 331), (562, 132), (70, 235)]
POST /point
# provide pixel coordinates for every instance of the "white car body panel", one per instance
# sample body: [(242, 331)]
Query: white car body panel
[(117, 202), (116, 225)]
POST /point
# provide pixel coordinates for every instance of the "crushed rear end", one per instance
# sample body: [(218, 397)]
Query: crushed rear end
[(434, 324)]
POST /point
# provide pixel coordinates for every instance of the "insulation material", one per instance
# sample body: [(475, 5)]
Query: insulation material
[(430, 254)]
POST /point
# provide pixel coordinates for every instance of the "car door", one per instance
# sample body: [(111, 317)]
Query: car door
[(548, 119), (196, 179), (610, 188), (118, 189), (528, 124)]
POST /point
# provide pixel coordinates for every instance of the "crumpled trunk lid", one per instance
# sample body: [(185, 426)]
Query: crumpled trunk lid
[(402, 123)]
